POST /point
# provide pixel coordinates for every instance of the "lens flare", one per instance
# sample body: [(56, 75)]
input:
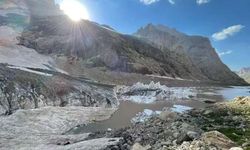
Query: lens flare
[(74, 9)]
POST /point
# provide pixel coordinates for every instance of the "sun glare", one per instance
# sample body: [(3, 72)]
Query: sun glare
[(74, 9)]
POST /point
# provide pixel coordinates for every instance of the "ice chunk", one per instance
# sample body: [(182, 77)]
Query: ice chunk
[(149, 93), (180, 108), (145, 115)]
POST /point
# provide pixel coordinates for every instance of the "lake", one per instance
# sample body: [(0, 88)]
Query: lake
[(129, 109)]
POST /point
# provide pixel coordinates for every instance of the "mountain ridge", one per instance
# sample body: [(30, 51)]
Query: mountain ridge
[(198, 50), (105, 47), (91, 45)]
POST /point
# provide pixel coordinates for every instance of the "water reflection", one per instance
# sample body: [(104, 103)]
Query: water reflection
[(128, 110)]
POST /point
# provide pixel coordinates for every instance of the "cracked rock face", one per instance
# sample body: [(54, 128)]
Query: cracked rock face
[(23, 90)]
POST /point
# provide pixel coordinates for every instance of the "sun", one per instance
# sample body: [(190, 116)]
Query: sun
[(74, 9)]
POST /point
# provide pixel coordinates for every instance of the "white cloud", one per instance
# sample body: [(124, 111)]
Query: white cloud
[(225, 33), (171, 2), (148, 2), (224, 53), (200, 2)]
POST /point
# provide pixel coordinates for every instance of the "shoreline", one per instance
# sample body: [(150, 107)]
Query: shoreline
[(222, 126)]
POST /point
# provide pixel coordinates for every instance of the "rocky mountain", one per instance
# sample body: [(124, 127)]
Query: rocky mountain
[(98, 46), (36, 96), (45, 90), (48, 44), (31, 80), (38, 50), (88, 44), (245, 74), (195, 52)]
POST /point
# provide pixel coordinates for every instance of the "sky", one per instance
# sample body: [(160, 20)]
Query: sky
[(225, 22)]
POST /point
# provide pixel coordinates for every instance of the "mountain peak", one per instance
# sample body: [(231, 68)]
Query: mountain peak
[(193, 52), (159, 28)]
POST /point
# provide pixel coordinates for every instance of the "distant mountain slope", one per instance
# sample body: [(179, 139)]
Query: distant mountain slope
[(88, 44), (245, 74), (98, 46), (195, 51)]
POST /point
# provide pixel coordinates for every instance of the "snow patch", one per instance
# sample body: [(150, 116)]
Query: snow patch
[(171, 78), (23, 58), (29, 70)]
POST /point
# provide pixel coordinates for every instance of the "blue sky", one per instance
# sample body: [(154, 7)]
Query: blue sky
[(195, 17)]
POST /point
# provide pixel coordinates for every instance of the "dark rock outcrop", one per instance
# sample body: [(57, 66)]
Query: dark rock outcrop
[(24, 90)]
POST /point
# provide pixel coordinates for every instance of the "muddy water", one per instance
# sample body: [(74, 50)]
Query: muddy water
[(127, 109)]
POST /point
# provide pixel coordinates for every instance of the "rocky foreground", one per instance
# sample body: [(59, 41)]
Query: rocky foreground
[(222, 126)]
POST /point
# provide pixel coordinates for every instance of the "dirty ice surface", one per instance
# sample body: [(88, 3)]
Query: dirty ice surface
[(149, 93)]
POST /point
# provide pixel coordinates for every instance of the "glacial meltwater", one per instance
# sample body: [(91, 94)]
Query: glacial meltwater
[(130, 111)]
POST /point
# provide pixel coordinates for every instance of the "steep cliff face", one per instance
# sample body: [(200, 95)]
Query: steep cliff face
[(195, 51)]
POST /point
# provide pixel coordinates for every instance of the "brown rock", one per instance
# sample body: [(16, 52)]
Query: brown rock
[(217, 139)]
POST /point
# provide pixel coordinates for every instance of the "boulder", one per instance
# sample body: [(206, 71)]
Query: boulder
[(193, 135), (217, 139), (138, 146), (182, 138), (167, 115)]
